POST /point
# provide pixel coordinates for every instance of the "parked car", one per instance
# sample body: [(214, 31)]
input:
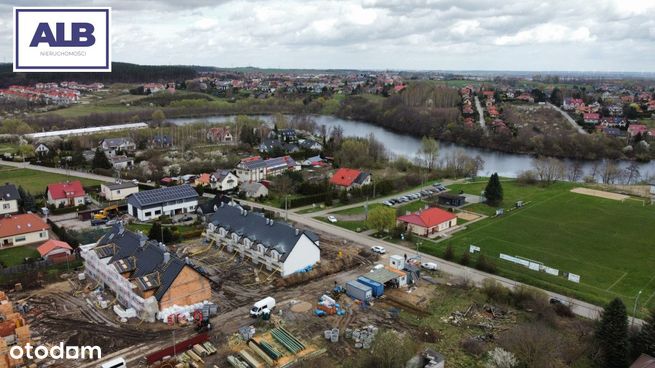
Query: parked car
[(378, 249), (388, 203), (259, 307), (332, 219), (555, 301), (429, 266)]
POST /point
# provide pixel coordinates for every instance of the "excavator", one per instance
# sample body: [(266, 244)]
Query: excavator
[(106, 213)]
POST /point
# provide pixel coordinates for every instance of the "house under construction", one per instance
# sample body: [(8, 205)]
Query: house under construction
[(143, 274)]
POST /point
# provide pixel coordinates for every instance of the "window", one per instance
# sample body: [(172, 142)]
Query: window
[(147, 214), (19, 239), (42, 234), (6, 206), (158, 212)]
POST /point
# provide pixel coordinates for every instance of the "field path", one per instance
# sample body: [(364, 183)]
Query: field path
[(54, 170)]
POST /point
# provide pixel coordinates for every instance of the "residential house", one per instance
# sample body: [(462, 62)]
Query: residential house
[(121, 162), (255, 169), (41, 149), (572, 103), (269, 145), (9, 198), (277, 245), (118, 191), (22, 229), (111, 146), (170, 201), (219, 135), (309, 144), (451, 199), (635, 129), (287, 135), (54, 249), (347, 179), (428, 222), (591, 118), (142, 274), (223, 180), (162, 141), (70, 193), (254, 190)]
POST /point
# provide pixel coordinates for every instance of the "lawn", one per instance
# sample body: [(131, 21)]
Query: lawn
[(16, 255), (356, 226), (35, 181), (608, 243)]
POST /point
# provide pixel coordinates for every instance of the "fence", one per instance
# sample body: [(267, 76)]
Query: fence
[(39, 265)]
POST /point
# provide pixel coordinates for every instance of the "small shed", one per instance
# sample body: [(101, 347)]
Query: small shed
[(451, 199), (388, 277), (54, 248)]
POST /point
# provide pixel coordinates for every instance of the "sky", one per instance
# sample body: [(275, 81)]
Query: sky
[(530, 35)]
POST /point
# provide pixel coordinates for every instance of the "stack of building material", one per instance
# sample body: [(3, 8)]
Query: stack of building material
[(13, 331)]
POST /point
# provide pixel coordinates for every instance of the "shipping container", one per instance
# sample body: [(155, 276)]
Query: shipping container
[(357, 290), (377, 288)]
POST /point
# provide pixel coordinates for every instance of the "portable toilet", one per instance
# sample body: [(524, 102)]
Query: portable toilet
[(397, 262), (376, 287), (359, 291)]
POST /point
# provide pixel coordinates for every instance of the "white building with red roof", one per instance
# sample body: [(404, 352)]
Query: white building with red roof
[(22, 229), (66, 194), (428, 222), (53, 249)]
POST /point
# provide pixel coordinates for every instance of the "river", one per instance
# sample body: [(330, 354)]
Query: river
[(505, 164)]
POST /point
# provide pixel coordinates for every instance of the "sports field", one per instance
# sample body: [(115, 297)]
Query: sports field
[(35, 181), (609, 243)]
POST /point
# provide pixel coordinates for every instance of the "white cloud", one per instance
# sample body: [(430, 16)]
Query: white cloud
[(547, 33)]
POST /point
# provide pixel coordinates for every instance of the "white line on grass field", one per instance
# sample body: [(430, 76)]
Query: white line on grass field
[(617, 281)]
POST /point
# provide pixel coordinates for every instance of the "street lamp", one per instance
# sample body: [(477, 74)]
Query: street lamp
[(634, 311), (418, 244)]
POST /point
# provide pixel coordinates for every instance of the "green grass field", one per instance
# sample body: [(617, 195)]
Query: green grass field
[(34, 181), (16, 255), (608, 243)]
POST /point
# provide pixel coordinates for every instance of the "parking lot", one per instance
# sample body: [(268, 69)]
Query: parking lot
[(436, 189)]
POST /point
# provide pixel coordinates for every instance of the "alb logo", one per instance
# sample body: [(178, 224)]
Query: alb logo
[(62, 39), (81, 36)]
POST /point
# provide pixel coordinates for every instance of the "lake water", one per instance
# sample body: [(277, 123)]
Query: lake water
[(505, 164)]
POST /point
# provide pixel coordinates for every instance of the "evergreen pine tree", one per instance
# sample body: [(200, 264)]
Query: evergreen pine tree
[(100, 160), (645, 343), (156, 232), (494, 190), (449, 254), (612, 335)]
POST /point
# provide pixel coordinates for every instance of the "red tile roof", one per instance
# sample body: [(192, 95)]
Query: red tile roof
[(51, 245), (429, 218), (344, 177), (21, 224), (71, 189)]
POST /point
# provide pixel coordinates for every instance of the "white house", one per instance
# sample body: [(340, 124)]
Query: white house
[(118, 191), (8, 199), (170, 201), (112, 145), (254, 190), (277, 245), (223, 180), (22, 229), (41, 149), (66, 194), (121, 162), (254, 169)]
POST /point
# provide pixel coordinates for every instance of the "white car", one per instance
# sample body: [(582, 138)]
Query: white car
[(332, 219), (378, 249), (429, 265)]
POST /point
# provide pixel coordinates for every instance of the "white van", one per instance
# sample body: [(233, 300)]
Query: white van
[(258, 308)]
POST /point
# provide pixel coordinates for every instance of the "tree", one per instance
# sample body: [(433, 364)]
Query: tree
[(158, 116), (160, 233), (501, 358), (556, 97), (100, 160), (381, 218), (390, 349), (449, 254), (429, 151), (549, 169), (466, 259), (494, 190), (645, 342), (612, 335)]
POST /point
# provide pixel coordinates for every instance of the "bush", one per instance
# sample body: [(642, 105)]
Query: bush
[(563, 310), (473, 347), (466, 259), (485, 265), (528, 177), (449, 254), (495, 292)]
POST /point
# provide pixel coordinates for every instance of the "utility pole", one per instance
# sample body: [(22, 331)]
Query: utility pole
[(286, 207)]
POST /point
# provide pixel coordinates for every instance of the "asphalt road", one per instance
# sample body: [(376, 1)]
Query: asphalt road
[(579, 307)]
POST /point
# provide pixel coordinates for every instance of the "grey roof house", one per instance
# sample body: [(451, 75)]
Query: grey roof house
[(170, 201)]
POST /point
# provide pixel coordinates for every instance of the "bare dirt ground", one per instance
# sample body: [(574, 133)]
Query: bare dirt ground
[(468, 216), (600, 193)]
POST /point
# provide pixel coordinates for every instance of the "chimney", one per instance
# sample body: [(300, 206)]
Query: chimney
[(297, 232), (167, 257), (271, 222)]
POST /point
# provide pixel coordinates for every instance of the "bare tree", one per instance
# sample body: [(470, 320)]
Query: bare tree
[(610, 172), (632, 174), (535, 345), (575, 171), (548, 169), (429, 152)]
